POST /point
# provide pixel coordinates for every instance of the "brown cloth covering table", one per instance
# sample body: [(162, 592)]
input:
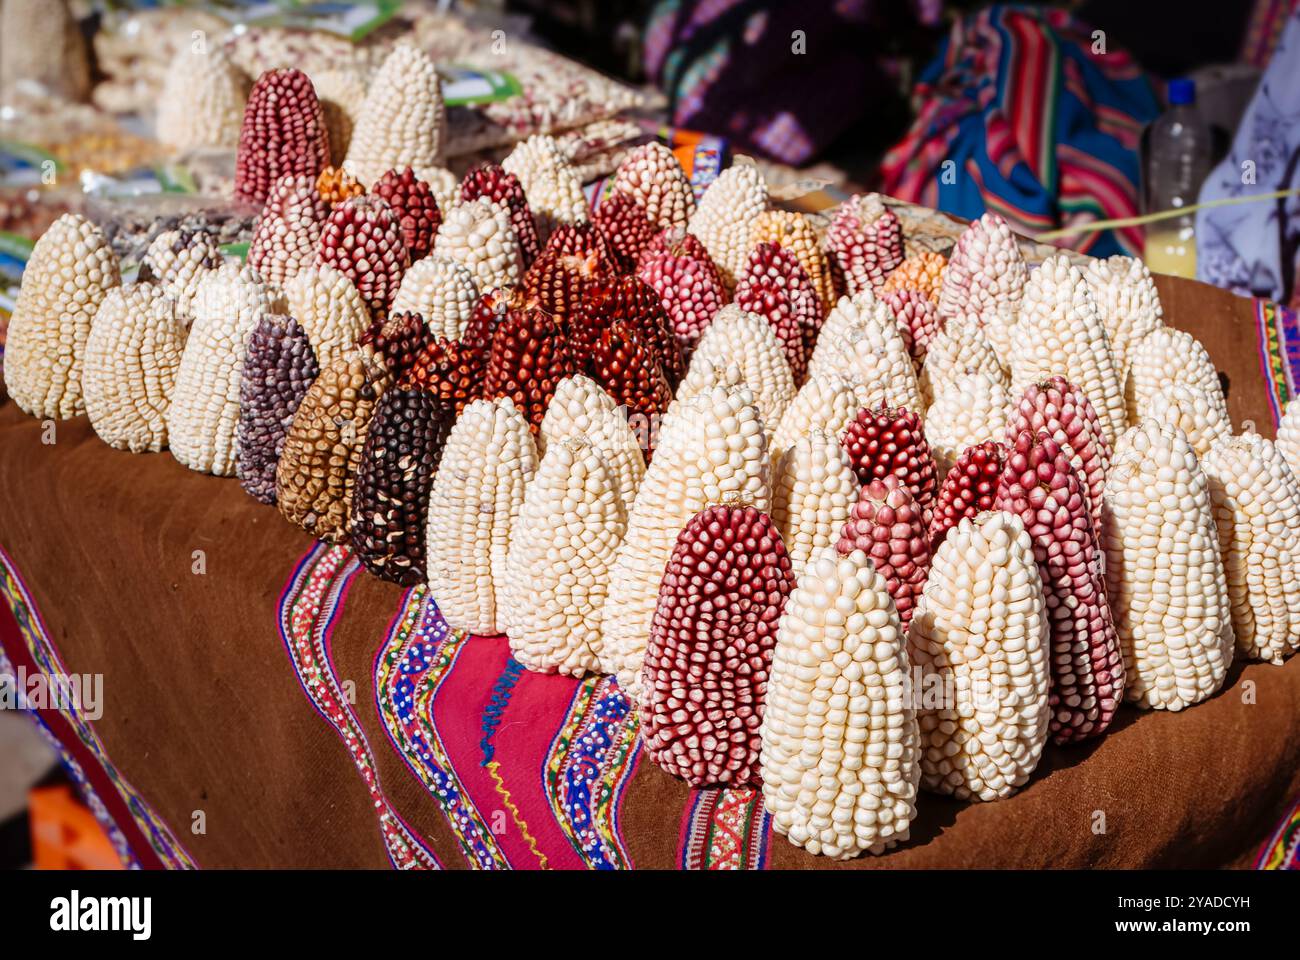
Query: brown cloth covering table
[(202, 711)]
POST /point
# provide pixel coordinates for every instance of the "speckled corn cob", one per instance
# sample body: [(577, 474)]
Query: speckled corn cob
[(390, 494), (775, 287), (279, 368), (688, 287), (557, 569), (840, 754), (793, 232), (889, 440), (177, 260), (1040, 487), (651, 176), (886, 524), (477, 494), (864, 243), (415, 207), (1256, 500), (491, 182), (70, 271), (362, 239), (1164, 576), (129, 371), (288, 231), (203, 418), (981, 632), (322, 450), (626, 227), (711, 644), (918, 320), (1060, 334), (985, 281), (1059, 409)]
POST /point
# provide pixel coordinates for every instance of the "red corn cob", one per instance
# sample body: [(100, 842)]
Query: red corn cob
[(450, 370), (626, 228), (363, 240), (710, 646), (774, 286), (886, 524), (969, 489), (884, 441), (283, 134), (529, 357), (1039, 486), (1062, 411), (416, 209)]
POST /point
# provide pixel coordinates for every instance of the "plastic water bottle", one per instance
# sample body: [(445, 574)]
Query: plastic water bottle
[(1178, 160)]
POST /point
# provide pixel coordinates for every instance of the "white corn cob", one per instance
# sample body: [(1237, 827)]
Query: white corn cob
[(959, 348), (177, 260), (70, 271), (475, 500), (840, 756), (1256, 501), (711, 447), (652, 176), (1166, 356), (1127, 302), (828, 403), (341, 90), (1060, 333), (551, 186), (478, 236), (580, 408), (985, 281), (868, 350), (202, 101), (1194, 413), (1288, 436), (204, 414), (723, 218), (813, 490), (795, 233), (1164, 576), (329, 308), (747, 341), (979, 640), (132, 357), (970, 409), (403, 122), (557, 569), (441, 291)]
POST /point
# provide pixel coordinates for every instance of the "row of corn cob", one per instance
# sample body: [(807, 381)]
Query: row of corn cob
[(780, 485)]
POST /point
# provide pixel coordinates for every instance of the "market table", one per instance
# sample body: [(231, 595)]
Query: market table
[(266, 703)]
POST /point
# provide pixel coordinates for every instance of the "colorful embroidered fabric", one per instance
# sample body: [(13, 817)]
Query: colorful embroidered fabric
[(1278, 333), (137, 833), (1282, 850), (1022, 113), (1252, 248)]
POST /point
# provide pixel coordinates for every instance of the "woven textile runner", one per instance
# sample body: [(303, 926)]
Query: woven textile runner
[(528, 769), (1278, 330), (137, 833), (1282, 850), (309, 607), (725, 828)]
